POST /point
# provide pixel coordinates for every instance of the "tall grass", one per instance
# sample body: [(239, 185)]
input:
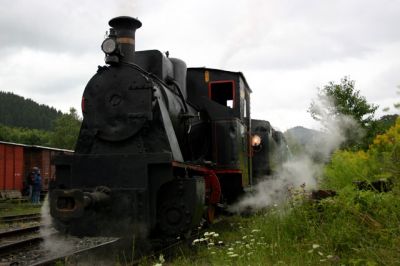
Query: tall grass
[(353, 228)]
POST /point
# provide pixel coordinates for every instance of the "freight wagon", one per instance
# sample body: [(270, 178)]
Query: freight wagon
[(17, 160)]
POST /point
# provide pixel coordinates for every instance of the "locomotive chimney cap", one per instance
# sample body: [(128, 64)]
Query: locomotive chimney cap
[(125, 22)]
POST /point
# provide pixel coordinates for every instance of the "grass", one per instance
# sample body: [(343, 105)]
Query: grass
[(353, 228), (17, 208)]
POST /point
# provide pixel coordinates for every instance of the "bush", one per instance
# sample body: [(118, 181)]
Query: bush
[(382, 160)]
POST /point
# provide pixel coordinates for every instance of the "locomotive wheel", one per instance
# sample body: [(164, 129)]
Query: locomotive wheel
[(174, 218)]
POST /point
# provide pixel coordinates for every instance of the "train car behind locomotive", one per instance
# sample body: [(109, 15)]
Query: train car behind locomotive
[(160, 144)]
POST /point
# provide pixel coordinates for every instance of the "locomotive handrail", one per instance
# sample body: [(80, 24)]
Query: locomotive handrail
[(180, 93)]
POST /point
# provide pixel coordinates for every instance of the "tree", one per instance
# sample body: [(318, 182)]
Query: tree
[(342, 102), (66, 130)]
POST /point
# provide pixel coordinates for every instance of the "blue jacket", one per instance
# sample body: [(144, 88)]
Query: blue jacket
[(37, 182)]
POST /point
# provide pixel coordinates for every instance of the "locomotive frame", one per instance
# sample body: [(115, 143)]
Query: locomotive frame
[(161, 145)]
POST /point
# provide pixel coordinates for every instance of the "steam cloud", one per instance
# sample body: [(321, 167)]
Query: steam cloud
[(302, 170), (55, 244)]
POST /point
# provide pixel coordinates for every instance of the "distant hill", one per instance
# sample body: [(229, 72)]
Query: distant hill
[(302, 135), (305, 141), (16, 111)]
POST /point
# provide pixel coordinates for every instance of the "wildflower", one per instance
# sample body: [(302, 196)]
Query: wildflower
[(210, 244), (212, 252), (216, 235), (233, 255), (255, 230), (244, 237), (230, 249), (320, 253), (161, 258), (322, 260), (230, 253), (158, 264), (310, 251), (195, 241), (206, 234), (329, 257), (248, 246), (238, 242), (314, 246)]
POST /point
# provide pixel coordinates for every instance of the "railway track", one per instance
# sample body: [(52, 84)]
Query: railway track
[(20, 218), (12, 241), (25, 247), (97, 248)]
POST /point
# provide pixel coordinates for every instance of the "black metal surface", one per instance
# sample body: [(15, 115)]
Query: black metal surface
[(144, 113), (272, 152)]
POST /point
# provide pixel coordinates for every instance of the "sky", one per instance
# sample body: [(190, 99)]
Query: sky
[(286, 49)]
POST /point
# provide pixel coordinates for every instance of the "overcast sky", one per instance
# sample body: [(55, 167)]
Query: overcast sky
[(286, 49)]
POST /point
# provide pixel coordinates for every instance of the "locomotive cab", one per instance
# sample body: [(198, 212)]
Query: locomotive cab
[(225, 97)]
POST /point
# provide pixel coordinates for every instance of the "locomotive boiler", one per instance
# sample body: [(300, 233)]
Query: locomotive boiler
[(159, 147)]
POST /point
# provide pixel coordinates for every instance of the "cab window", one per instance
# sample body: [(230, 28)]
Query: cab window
[(222, 92)]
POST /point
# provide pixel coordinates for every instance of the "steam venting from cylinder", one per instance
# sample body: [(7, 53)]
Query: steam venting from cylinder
[(122, 37)]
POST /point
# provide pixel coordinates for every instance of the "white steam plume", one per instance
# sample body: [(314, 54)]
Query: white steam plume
[(55, 244), (302, 170)]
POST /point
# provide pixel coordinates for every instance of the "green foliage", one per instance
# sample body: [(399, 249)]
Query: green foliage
[(379, 126), (26, 122), (382, 160), (346, 101), (16, 111), (25, 135), (66, 130), (335, 101), (64, 135)]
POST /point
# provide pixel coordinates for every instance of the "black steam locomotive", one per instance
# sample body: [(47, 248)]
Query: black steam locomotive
[(160, 146)]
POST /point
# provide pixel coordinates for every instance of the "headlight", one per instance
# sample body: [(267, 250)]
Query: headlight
[(109, 46), (255, 140)]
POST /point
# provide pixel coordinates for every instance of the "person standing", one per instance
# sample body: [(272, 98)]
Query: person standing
[(29, 180), (37, 186)]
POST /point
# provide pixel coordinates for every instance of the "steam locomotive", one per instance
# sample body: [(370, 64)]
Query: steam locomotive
[(160, 146)]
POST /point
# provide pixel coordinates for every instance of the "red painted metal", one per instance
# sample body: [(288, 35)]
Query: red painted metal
[(11, 167), (39, 157), (213, 188), (17, 160)]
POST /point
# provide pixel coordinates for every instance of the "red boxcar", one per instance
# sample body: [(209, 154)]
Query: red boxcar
[(17, 160), (11, 166)]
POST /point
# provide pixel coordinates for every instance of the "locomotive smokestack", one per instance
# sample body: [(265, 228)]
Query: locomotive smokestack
[(123, 30)]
